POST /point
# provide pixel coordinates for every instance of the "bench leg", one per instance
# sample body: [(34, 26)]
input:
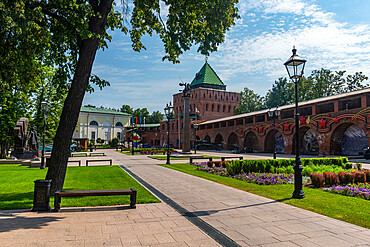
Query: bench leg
[(110, 162), (222, 158), (210, 159), (87, 163), (57, 200), (191, 160), (133, 198)]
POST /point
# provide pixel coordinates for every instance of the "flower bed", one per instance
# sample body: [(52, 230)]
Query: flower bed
[(257, 178), (266, 178), (360, 190)]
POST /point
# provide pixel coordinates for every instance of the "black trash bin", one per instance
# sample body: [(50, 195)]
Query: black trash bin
[(41, 195)]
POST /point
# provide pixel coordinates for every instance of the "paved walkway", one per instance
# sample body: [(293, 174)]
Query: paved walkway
[(247, 219)]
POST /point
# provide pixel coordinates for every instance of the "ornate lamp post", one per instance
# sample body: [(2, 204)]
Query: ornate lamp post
[(274, 115), (195, 126), (295, 68), (168, 110), (45, 108)]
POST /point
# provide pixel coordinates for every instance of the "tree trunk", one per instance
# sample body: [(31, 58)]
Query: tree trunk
[(71, 109)]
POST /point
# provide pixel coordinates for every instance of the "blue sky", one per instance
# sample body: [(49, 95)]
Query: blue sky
[(331, 34)]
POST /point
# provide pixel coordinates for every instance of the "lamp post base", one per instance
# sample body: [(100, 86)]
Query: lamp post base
[(298, 194), (42, 162)]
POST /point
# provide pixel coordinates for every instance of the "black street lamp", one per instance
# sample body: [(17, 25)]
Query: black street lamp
[(45, 108), (168, 110), (195, 126), (274, 114), (295, 67)]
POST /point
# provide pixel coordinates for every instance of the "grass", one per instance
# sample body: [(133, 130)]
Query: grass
[(349, 209), (17, 186)]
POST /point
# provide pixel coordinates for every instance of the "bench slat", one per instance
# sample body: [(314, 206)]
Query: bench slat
[(94, 193), (59, 194)]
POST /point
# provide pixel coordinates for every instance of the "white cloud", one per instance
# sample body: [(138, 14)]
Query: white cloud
[(318, 36)]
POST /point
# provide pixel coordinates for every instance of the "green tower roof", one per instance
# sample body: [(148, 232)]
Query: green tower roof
[(207, 78)]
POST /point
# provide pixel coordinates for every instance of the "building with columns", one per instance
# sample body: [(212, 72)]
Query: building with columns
[(94, 123)]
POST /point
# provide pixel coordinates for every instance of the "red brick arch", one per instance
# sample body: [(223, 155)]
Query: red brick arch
[(269, 140), (338, 140), (232, 139), (305, 147), (251, 141)]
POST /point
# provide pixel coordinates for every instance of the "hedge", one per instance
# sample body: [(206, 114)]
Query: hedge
[(235, 167)]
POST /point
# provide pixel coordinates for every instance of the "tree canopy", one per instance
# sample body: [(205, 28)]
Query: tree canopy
[(320, 83), (66, 34)]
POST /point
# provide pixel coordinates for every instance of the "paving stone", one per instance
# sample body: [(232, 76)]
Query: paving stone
[(330, 241), (285, 244), (164, 238)]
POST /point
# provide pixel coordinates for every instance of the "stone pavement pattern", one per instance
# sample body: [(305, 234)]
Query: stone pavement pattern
[(248, 219), (148, 225)]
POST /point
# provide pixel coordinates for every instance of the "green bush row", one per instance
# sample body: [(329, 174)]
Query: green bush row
[(271, 165)]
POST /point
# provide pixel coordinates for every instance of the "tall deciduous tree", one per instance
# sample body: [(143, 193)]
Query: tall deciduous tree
[(249, 102), (68, 33), (155, 117), (280, 94), (127, 109)]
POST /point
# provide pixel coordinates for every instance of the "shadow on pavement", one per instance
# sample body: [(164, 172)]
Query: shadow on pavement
[(210, 212), (10, 222)]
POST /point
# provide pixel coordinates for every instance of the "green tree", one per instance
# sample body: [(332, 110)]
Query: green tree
[(355, 82), (325, 83), (141, 113), (281, 93), (155, 117), (249, 102), (68, 34), (127, 109)]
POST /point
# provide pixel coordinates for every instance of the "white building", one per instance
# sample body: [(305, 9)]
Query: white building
[(94, 123)]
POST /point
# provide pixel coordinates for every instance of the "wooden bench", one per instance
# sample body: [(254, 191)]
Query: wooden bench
[(87, 161), (200, 158), (81, 154), (224, 158), (59, 194), (103, 154), (74, 161)]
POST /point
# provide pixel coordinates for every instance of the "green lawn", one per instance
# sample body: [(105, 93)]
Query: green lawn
[(350, 209), (17, 186)]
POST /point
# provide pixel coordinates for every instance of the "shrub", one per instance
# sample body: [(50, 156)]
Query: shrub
[(281, 170), (348, 166), (217, 163), (100, 141), (367, 172), (290, 169), (317, 179), (331, 178), (360, 177), (342, 177), (349, 177), (359, 166), (223, 164)]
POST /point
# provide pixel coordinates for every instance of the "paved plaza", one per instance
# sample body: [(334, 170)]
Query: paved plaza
[(232, 217)]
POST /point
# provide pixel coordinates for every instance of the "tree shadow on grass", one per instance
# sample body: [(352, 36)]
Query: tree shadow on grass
[(210, 212), (16, 200)]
